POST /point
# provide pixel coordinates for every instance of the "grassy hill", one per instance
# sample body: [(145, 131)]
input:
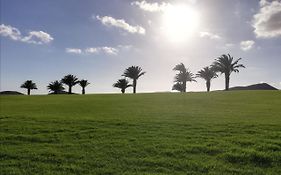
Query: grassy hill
[(236, 132)]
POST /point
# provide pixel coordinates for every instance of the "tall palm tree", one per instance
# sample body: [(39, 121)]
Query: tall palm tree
[(225, 65), (207, 74), (182, 77), (56, 87), (123, 84), (70, 81), (134, 72), (29, 85), (83, 83)]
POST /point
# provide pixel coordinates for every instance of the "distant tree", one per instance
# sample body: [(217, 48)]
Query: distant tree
[(134, 72), (207, 74), (55, 87), (70, 81), (182, 77), (123, 84), (225, 65), (83, 84), (178, 87), (29, 85)]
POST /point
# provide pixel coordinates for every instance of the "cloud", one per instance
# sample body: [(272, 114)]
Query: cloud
[(150, 7), (37, 37), (247, 45), (10, 32), (105, 49), (267, 22), (263, 3), (209, 35), (155, 6), (120, 23), (93, 50), (73, 50), (34, 37), (110, 50)]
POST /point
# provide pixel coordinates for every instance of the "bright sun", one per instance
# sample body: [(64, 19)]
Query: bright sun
[(179, 22)]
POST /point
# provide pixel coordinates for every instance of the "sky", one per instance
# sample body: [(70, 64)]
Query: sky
[(97, 40)]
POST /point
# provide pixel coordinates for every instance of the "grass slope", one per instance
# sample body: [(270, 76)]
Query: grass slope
[(194, 133)]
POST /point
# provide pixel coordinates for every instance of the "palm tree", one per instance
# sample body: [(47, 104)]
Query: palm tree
[(29, 85), (123, 84), (133, 72), (182, 77), (225, 65), (83, 84), (55, 86), (70, 81), (207, 74), (178, 87)]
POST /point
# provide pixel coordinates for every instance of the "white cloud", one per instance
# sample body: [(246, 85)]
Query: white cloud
[(150, 7), (209, 35), (73, 50), (9, 31), (37, 37), (155, 6), (247, 45), (267, 22), (94, 50), (34, 37), (120, 23), (110, 50), (263, 2)]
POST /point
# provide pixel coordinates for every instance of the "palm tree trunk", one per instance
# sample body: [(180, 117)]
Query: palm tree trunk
[(69, 89), (135, 85), (226, 82), (208, 84), (83, 90), (123, 91), (28, 91), (184, 86)]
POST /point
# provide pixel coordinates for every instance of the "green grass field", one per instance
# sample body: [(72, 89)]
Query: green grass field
[(161, 133)]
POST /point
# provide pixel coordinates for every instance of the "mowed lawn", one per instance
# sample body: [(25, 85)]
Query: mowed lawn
[(159, 133)]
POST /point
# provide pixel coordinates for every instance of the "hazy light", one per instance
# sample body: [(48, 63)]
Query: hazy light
[(179, 22)]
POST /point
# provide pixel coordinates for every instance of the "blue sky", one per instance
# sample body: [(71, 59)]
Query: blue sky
[(97, 40)]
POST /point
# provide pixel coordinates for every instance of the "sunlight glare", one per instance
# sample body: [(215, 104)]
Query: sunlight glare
[(180, 22)]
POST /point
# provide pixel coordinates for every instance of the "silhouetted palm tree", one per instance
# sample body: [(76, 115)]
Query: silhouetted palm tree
[(70, 81), (55, 86), (29, 85), (83, 84), (123, 84), (207, 74), (134, 72), (225, 65), (182, 77), (178, 87)]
